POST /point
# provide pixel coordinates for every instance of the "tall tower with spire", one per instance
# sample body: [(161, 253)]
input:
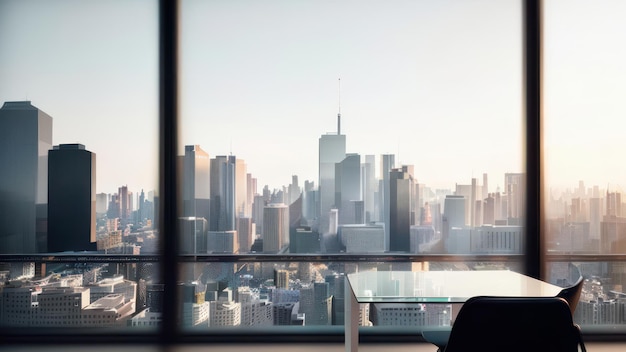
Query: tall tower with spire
[(332, 150), (339, 112)]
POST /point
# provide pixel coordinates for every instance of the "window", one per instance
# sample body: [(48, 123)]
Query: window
[(583, 73), (424, 168)]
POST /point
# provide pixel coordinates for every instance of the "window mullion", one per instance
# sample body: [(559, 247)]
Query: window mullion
[(168, 105)]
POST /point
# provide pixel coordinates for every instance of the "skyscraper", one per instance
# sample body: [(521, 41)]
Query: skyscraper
[(25, 138), (401, 186), (515, 186), (241, 188), (71, 198), (126, 204), (347, 187), (196, 184), (369, 187), (102, 202), (275, 227), (222, 193), (387, 163), (316, 304), (332, 149)]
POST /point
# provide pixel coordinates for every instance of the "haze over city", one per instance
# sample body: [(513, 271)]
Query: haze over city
[(437, 84), (433, 87)]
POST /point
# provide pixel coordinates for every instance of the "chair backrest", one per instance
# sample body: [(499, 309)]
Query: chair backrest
[(572, 294), (512, 324)]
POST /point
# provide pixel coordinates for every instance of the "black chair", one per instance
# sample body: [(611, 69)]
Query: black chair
[(439, 336), (572, 293), (515, 324)]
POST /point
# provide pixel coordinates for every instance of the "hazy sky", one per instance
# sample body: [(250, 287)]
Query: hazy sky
[(438, 83)]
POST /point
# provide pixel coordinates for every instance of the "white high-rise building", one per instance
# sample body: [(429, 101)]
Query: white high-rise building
[(254, 311), (225, 311), (114, 285), (196, 314), (497, 239)]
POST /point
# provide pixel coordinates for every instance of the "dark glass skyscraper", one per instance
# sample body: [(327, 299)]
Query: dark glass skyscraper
[(222, 193), (401, 187), (25, 138), (71, 199)]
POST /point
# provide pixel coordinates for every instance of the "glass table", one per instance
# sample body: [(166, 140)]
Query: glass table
[(432, 287)]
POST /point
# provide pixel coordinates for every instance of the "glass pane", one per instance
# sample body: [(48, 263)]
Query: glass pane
[(79, 154), (423, 104), (311, 294), (584, 74)]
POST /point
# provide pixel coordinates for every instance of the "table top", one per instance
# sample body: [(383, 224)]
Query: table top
[(444, 286)]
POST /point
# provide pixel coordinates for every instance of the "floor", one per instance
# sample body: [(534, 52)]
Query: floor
[(422, 347)]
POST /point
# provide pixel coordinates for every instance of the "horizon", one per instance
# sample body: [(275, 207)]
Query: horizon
[(438, 85)]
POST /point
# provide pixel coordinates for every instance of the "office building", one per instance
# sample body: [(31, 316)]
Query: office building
[(102, 203), (71, 199), (515, 187), (294, 190), (310, 203), (489, 210), (281, 278), (595, 217), (254, 310), (347, 187), (401, 194), (193, 235), (454, 210), (246, 230), (304, 240), (466, 192), (110, 311), (222, 242), (398, 314), (257, 213), (489, 239), (336, 289), (423, 239), (275, 228), (222, 193), (332, 150), (362, 238), (282, 313), (613, 204), (25, 138), (196, 183), (146, 318), (387, 163), (251, 192), (225, 311), (242, 208), (113, 285), (369, 188), (316, 304), (125, 204)]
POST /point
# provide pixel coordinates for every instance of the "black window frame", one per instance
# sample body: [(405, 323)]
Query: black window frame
[(168, 333)]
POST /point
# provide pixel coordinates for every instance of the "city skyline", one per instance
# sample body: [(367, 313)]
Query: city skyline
[(410, 84)]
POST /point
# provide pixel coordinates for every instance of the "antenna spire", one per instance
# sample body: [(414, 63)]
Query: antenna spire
[(339, 113)]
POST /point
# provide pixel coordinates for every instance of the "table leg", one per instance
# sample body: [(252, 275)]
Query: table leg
[(351, 320)]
